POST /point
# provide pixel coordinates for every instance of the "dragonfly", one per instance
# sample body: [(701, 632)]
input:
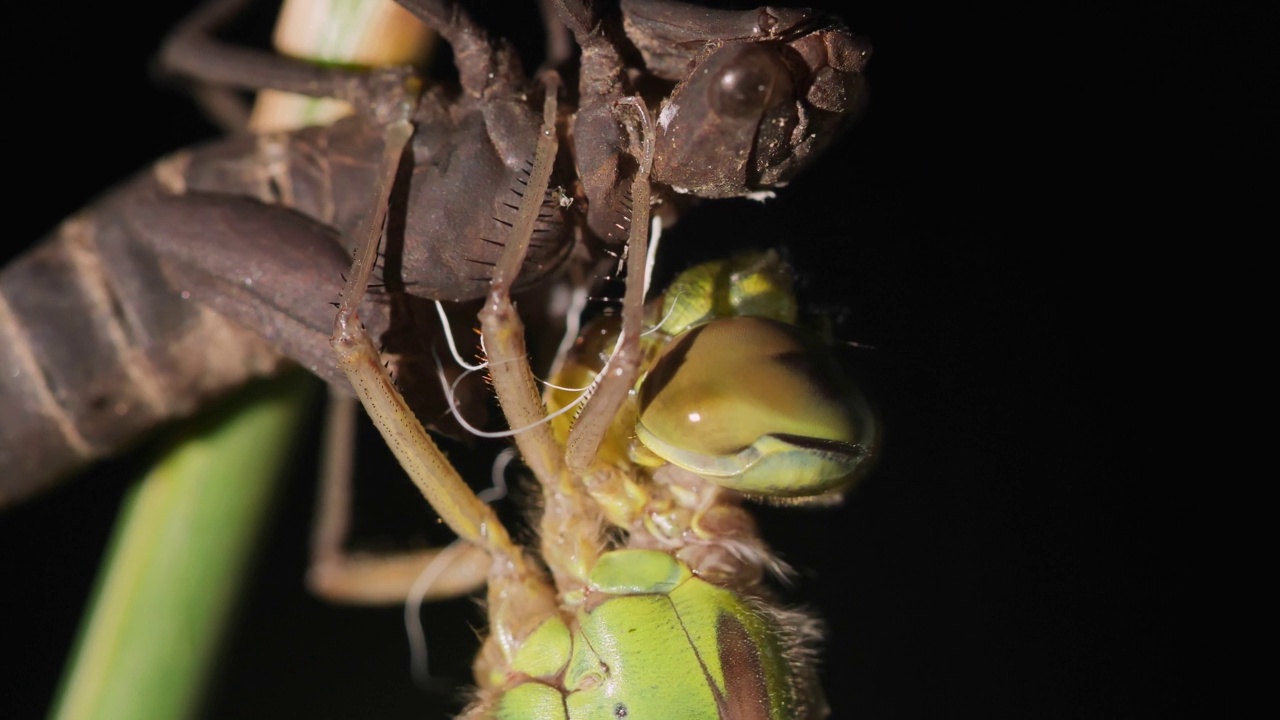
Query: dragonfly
[(642, 593)]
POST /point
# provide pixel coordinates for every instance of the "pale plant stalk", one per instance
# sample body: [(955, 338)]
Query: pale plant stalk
[(186, 532), (344, 32)]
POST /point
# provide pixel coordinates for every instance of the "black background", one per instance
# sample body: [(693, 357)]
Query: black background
[(997, 560)]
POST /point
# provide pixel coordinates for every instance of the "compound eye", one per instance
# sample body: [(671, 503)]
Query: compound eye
[(745, 87), (758, 406)]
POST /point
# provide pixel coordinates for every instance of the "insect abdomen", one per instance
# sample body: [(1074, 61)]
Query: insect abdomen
[(97, 347)]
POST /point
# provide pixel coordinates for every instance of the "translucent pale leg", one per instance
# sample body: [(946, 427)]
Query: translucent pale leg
[(368, 579)]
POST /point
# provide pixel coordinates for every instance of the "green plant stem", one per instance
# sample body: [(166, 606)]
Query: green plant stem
[(183, 541)]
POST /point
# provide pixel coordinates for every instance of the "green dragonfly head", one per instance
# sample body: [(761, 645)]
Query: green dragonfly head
[(734, 391), (744, 397)]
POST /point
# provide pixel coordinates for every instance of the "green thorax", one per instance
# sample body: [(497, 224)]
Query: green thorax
[(653, 641)]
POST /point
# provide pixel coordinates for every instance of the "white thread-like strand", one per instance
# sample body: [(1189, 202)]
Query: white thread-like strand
[(655, 234), (498, 476), (453, 349), (670, 311), (572, 326), (449, 390), (417, 636)]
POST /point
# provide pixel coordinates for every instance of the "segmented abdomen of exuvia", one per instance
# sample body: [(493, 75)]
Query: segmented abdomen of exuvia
[(99, 345), (175, 287), (194, 276), (452, 209)]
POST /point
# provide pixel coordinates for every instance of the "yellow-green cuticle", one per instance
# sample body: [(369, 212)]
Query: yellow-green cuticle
[(756, 405), (655, 641), (679, 648), (754, 283)]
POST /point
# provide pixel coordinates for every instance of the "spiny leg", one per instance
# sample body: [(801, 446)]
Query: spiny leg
[(334, 573), (620, 374), (501, 327), (570, 529), (359, 359), (520, 598), (571, 524)]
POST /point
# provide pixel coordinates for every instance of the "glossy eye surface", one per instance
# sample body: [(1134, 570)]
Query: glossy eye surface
[(758, 406), (743, 88), (731, 117)]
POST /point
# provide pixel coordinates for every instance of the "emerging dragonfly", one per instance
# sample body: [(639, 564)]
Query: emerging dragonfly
[(644, 594), (628, 506)]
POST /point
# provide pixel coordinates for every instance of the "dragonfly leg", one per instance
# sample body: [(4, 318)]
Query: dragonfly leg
[(620, 375), (360, 360), (571, 527), (520, 598), (500, 324), (365, 578)]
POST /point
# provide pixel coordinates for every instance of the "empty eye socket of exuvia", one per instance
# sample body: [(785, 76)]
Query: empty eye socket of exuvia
[(758, 406), (738, 107), (748, 79)]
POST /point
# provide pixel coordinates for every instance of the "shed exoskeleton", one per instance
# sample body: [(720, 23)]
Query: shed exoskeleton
[(635, 568), (645, 596), (240, 244)]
